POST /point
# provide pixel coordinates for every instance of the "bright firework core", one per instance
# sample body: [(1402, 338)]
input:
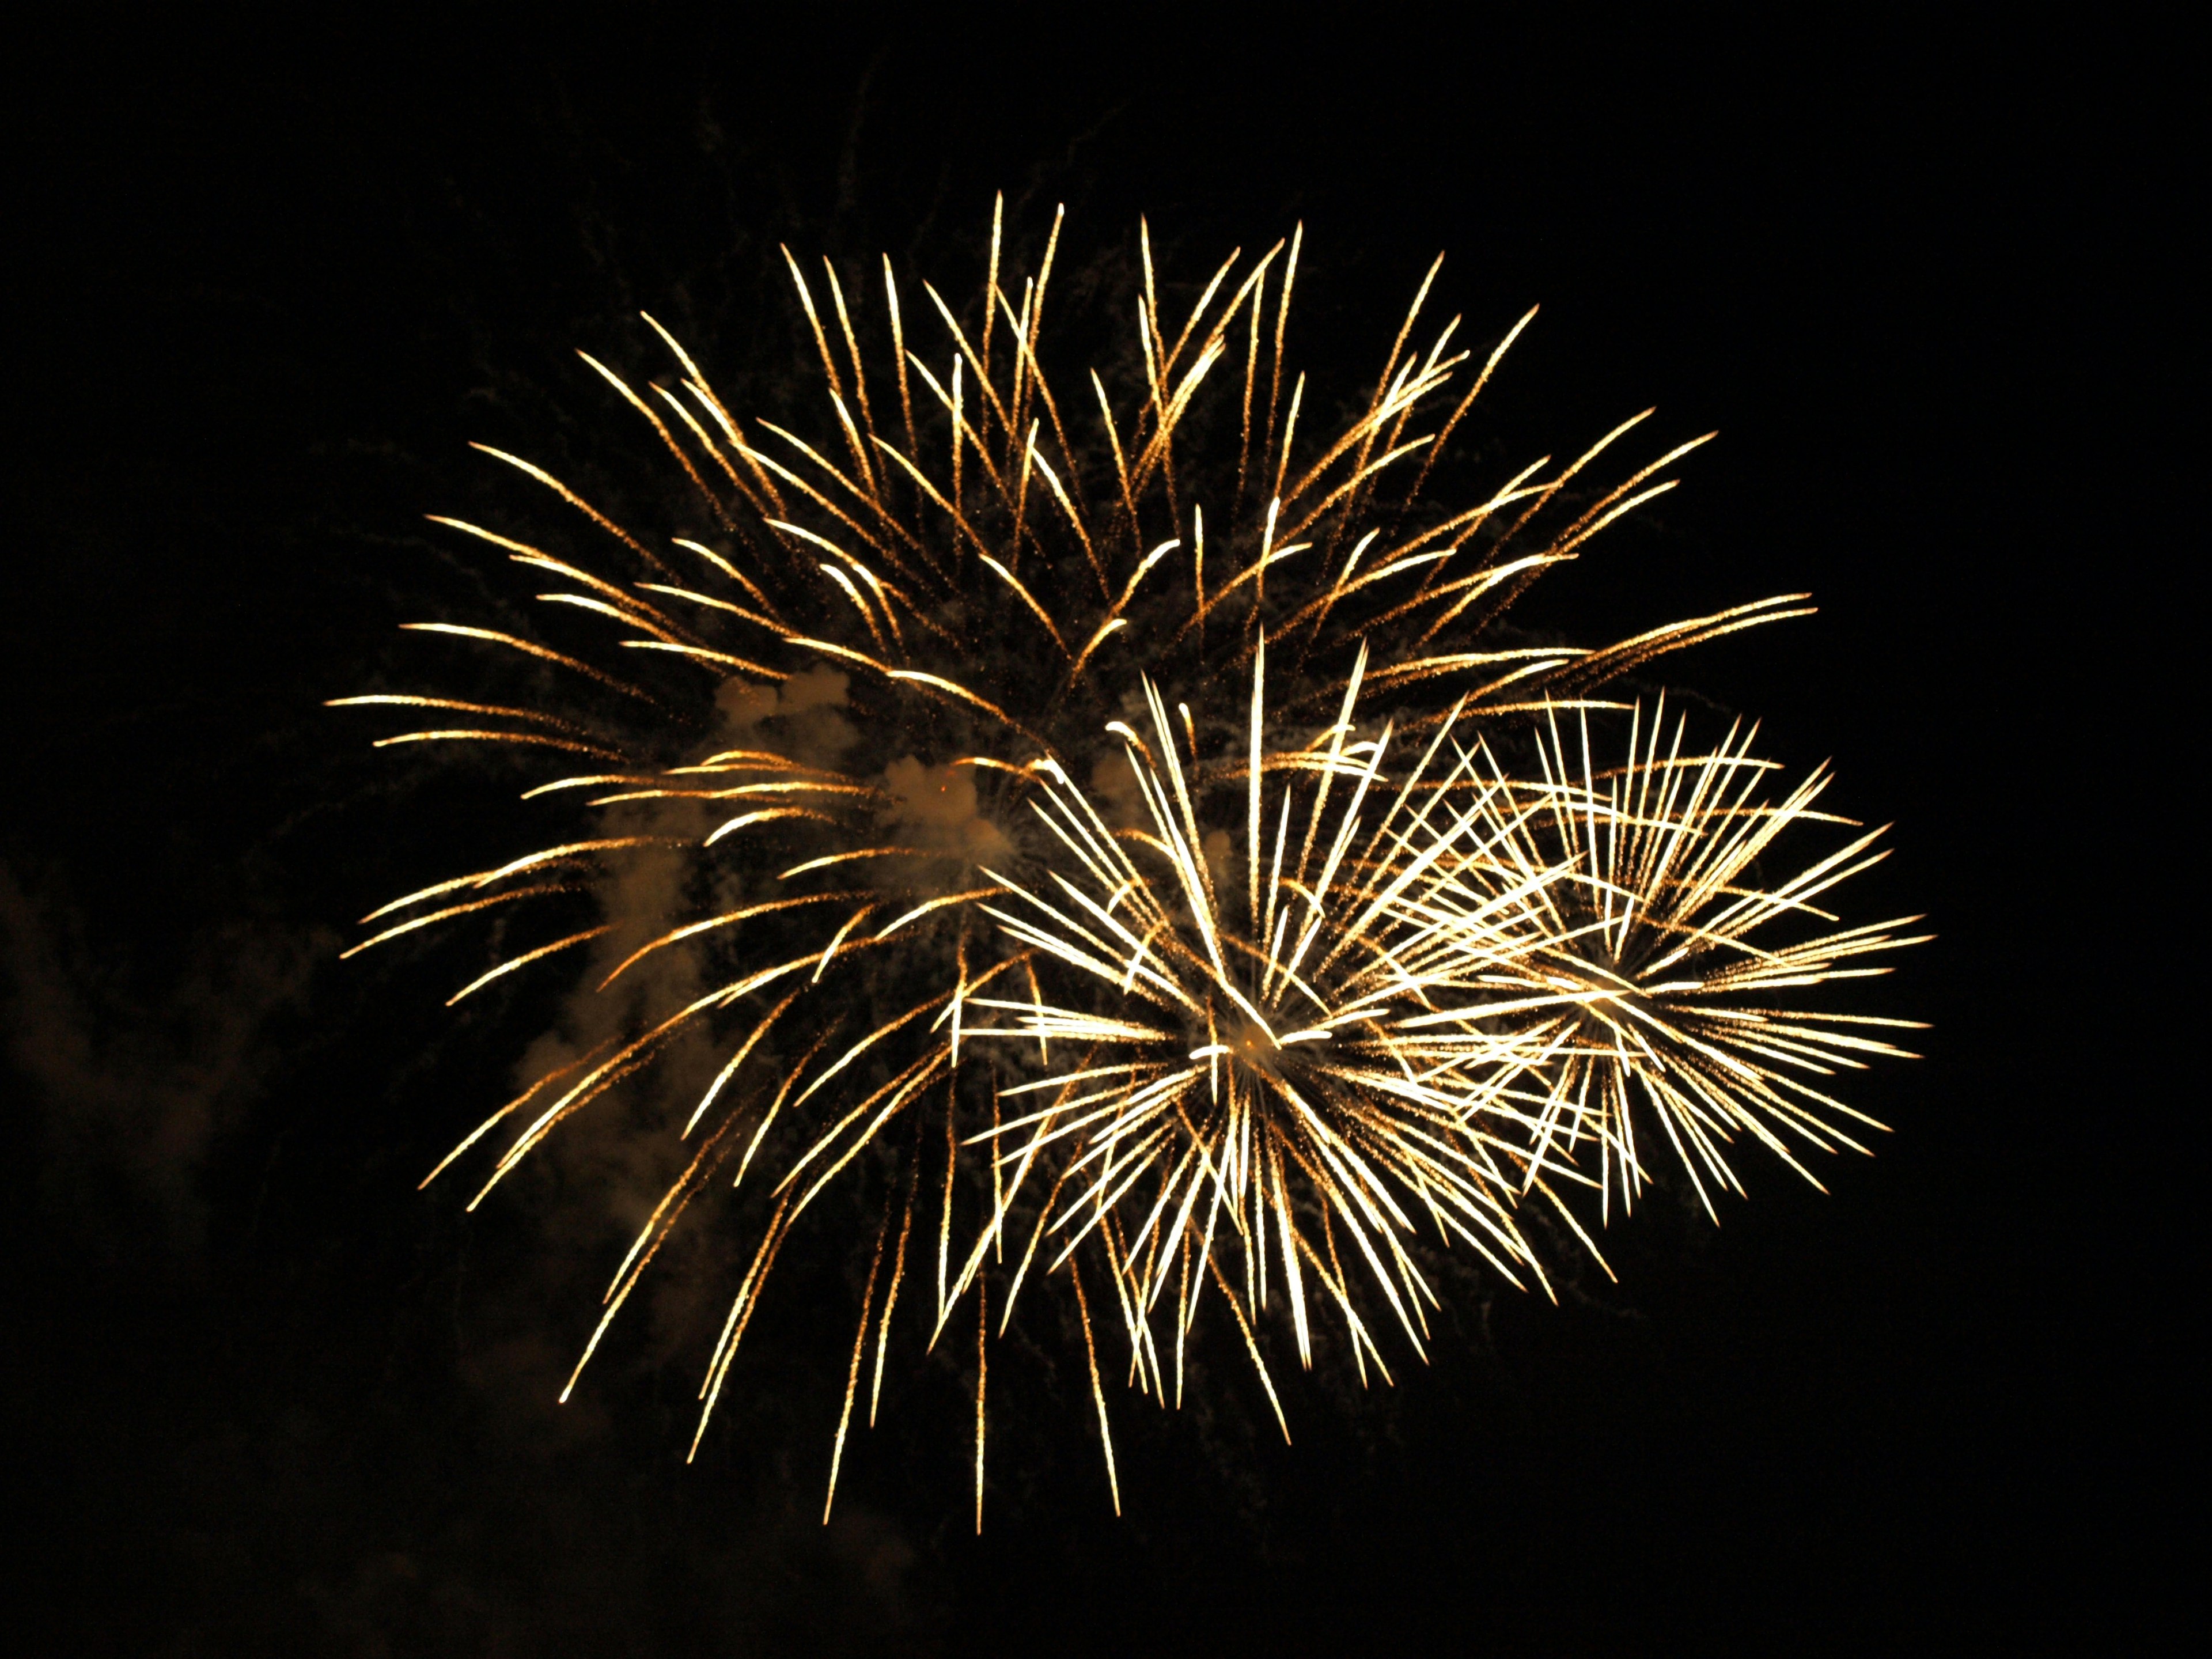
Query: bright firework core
[(1253, 1044), (1180, 928)]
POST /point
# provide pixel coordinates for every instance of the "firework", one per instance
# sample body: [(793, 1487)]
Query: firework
[(1652, 966), (1274, 1096), (879, 824)]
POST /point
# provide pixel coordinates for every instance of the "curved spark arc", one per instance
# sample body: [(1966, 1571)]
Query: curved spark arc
[(1382, 1024)]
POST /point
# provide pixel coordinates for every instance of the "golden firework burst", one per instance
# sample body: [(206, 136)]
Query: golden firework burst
[(1653, 969), (1249, 1087), (859, 770)]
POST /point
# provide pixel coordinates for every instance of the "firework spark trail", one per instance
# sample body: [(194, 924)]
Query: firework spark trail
[(1427, 988)]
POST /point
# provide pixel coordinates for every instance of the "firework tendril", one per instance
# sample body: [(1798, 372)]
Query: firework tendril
[(1105, 818)]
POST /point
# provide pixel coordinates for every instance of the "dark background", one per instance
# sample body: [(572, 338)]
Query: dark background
[(262, 1396)]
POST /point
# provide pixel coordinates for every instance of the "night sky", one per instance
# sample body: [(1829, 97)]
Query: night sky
[(262, 1396)]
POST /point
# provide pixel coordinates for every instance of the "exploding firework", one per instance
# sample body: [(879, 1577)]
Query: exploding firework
[(1653, 960), (885, 836), (1265, 1085)]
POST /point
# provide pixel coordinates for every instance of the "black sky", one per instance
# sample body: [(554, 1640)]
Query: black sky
[(268, 280)]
